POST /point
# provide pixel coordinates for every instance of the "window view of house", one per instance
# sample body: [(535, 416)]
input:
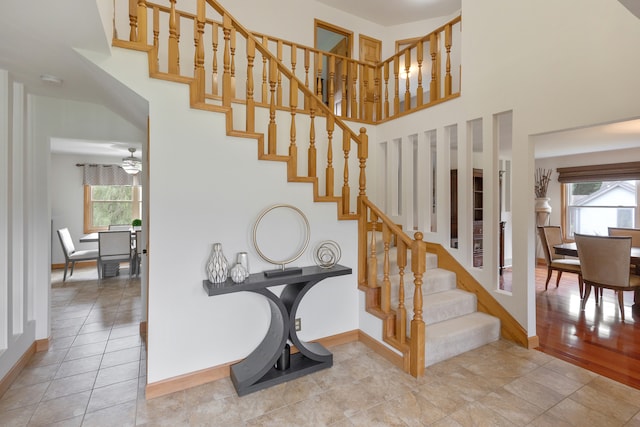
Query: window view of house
[(591, 207)]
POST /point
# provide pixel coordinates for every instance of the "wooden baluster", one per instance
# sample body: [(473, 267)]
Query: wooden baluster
[(377, 93), (447, 45), (178, 20), (294, 58), (133, 20), (363, 154), (363, 92), (142, 22), (385, 295), (319, 89), (372, 265), (396, 71), (173, 40), (214, 65), (329, 171), (386, 89), (251, 105), (156, 38), (273, 68), (265, 44), (346, 191), (306, 77), (345, 97), (331, 85), (354, 90), (420, 89), (401, 312), (279, 86), (407, 70), (433, 88), (226, 62), (292, 164), (311, 152), (199, 80), (232, 51), (418, 264)]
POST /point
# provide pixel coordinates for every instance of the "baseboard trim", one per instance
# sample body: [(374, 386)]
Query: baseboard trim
[(43, 345), (384, 351), (194, 379), (78, 264), (13, 373), (533, 342)]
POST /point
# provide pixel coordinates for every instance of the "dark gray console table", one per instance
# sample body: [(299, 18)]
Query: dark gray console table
[(257, 370)]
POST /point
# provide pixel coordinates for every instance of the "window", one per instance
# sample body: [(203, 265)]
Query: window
[(110, 204), (591, 207)]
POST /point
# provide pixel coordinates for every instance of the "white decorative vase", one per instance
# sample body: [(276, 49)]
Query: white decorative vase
[(543, 210), (217, 267), (239, 273)]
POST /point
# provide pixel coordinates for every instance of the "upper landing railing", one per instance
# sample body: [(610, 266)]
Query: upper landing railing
[(422, 74)]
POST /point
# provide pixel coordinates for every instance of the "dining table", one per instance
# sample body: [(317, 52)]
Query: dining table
[(93, 237)]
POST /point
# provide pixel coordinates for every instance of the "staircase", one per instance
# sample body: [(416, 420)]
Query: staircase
[(439, 317), (453, 324)]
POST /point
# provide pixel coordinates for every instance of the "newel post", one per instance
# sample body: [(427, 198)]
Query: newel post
[(418, 265)]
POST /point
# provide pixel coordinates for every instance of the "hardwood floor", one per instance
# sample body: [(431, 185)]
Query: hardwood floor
[(596, 338)]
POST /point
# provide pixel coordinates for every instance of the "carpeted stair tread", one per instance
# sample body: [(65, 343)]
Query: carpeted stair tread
[(458, 335)]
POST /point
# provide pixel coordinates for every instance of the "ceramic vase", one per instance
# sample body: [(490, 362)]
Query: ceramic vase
[(239, 273), (543, 210), (243, 260), (217, 267)]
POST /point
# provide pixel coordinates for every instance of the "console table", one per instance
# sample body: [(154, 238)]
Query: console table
[(257, 371)]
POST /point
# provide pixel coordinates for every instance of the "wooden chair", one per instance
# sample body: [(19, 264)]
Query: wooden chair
[(605, 262), (71, 255), (114, 247), (551, 235)]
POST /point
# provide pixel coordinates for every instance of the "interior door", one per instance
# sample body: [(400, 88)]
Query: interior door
[(370, 52)]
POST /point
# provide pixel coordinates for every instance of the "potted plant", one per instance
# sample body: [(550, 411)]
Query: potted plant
[(543, 208), (136, 224)]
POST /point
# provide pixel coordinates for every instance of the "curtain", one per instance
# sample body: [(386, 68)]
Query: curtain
[(106, 175), (608, 172)]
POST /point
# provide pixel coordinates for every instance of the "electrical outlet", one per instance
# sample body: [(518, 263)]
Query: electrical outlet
[(298, 324)]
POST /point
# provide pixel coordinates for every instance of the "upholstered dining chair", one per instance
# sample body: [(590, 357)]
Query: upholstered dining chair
[(633, 232), (551, 235), (71, 255), (114, 247), (605, 263)]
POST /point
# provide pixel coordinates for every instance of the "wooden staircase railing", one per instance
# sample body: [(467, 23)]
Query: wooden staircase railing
[(418, 76), (239, 50)]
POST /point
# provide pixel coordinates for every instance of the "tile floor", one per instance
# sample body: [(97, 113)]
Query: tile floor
[(94, 375)]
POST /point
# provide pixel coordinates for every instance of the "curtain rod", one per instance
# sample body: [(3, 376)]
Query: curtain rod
[(96, 164)]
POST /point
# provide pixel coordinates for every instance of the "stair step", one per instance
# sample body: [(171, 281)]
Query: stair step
[(431, 260), (446, 305), (433, 281), (459, 335)]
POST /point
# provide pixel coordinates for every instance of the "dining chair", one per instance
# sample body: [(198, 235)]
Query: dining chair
[(71, 255), (114, 247), (551, 235), (605, 263), (137, 254), (634, 233)]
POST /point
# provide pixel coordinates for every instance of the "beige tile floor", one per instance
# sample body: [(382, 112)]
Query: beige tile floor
[(94, 375)]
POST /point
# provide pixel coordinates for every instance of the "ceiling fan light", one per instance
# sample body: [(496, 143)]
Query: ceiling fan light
[(131, 165)]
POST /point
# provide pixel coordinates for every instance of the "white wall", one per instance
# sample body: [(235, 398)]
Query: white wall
[(217, 198)]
